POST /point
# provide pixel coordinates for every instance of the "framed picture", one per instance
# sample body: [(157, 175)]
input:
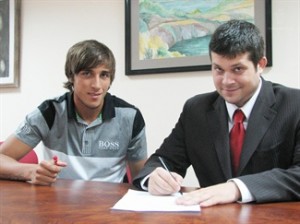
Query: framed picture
[(173, 36), (9, 43)]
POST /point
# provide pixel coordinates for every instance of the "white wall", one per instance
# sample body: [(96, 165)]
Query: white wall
[(50, 27)]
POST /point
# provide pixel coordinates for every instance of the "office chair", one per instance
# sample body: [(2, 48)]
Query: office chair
[(128, 177), (30, 157)]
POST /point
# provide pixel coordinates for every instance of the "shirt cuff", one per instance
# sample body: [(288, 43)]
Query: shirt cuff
[(246, 195), (143, 183)]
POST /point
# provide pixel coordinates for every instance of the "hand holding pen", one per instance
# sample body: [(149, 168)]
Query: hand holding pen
[(166, 168), (46, 172)]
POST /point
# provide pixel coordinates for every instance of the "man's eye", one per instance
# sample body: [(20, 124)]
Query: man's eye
[(85, 73), (217, 69), (105, 75), (238, 69)]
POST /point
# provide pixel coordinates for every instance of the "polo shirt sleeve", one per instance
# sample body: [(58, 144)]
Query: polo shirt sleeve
[(137, 149), (33, 129)]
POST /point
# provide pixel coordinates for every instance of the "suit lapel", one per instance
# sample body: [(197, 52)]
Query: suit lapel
[(218, 123), (260, 120)]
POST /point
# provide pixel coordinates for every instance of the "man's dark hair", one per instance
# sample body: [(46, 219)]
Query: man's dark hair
[(237, 37)]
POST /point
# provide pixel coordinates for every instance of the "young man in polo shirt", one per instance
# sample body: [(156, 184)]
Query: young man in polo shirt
[(95, 135)]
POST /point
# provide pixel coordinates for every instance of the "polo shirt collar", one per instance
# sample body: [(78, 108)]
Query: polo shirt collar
[(108, 110)]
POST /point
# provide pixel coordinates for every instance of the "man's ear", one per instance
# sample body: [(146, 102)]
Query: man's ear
[(262, 64), (71, 81)]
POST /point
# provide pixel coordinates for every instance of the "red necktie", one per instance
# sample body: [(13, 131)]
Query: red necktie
[(237, 135)]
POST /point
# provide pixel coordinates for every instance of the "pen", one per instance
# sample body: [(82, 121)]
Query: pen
[(166, 168), (55, 158)]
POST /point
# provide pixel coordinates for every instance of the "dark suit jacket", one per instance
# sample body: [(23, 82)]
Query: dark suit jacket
[(270, 159)]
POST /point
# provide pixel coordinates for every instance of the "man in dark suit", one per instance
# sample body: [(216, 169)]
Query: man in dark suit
[(268, 167)]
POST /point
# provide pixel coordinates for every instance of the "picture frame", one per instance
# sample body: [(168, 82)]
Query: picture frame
[(9, 43), (145, 50)]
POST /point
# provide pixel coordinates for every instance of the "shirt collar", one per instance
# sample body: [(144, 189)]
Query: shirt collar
[(247, 108), (108, 110)]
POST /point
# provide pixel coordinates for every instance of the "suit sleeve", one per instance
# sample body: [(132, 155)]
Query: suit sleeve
[(173, 151), (281, 183)]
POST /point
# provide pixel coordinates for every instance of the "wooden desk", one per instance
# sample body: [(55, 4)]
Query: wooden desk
[(89, 202)]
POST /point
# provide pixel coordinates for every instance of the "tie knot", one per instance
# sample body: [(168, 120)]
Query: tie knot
[(238, 116)]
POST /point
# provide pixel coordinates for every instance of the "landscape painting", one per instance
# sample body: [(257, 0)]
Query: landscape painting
[(179, 28), (173, 35)]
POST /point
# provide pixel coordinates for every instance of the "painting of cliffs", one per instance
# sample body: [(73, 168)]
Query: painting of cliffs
[(181, 28)]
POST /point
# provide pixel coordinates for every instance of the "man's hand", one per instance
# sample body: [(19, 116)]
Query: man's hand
[(213, 195), (46, 172), (162, 183)]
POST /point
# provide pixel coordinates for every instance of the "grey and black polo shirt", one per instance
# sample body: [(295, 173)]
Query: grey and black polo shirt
[(95, 151)]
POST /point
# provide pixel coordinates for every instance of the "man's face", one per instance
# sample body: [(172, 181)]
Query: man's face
[(236, 79), (90, 88)]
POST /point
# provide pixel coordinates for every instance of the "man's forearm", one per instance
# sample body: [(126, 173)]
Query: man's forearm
[(13, 170)]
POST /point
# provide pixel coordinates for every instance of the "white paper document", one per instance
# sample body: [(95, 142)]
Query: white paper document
[(145, 202)]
